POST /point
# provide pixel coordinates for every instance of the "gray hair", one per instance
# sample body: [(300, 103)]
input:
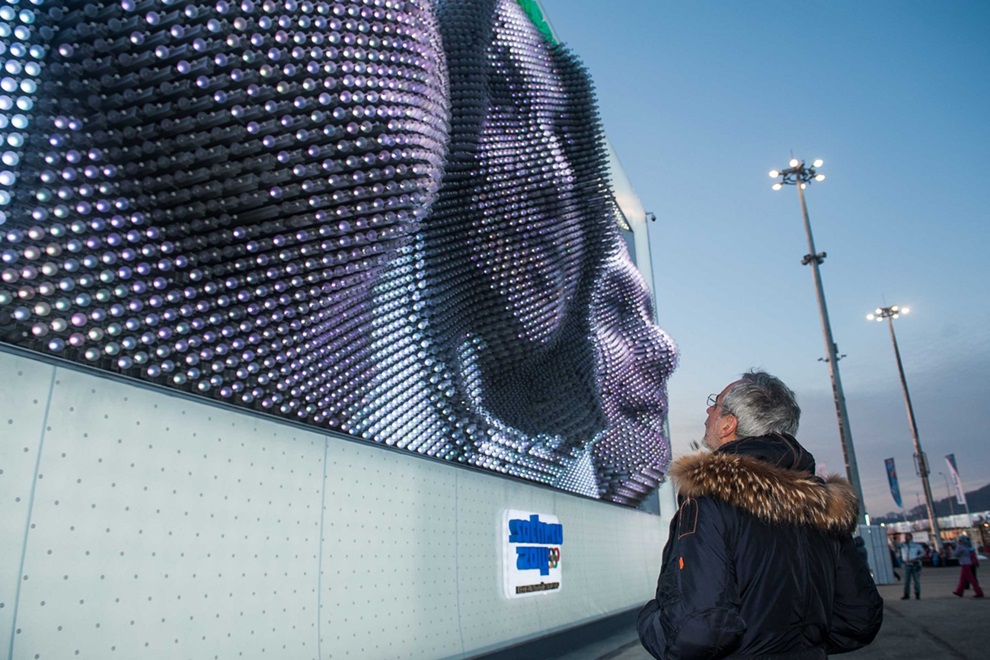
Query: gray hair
[(762, 404)]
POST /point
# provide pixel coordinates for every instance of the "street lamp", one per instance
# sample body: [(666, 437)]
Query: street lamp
[(891, 313), (800, 175)]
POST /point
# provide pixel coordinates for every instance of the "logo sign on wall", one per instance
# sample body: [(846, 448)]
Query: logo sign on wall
[(531, 553)]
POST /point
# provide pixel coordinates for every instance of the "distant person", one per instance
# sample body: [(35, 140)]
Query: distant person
[(911, 554), (966, 575), (760, 560)]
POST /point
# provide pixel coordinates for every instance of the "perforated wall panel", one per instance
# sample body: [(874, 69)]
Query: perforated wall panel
[(23, 407), (146, 525), (159, 527), (390, 556)]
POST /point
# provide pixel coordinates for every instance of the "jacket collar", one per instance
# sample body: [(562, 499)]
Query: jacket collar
[(768, 491), (780, 449)]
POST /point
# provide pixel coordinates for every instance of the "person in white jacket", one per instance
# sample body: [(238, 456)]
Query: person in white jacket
[(911, 554)]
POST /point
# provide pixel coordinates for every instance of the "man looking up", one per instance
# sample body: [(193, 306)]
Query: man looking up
[(760, 560)]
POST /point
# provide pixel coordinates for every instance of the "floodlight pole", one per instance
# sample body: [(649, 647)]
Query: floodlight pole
[(891, 313), (799, 175)]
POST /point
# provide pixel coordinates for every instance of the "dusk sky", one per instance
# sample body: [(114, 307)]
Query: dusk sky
[(701, 99)]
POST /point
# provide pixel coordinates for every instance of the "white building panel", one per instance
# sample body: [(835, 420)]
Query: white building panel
[(164, 528), (155, 526), (23, 408), (390, 562)]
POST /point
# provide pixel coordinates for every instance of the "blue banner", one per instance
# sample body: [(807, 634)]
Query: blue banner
[(895, 490)]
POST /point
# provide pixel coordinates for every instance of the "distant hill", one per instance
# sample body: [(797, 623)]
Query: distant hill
[(979, 500)]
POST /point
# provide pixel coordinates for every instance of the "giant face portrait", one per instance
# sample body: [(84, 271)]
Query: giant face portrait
[(392, 220)]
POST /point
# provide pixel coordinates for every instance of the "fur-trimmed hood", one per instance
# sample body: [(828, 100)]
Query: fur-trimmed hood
[(769, 492)]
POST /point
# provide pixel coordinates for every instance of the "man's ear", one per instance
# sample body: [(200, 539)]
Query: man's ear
[(727, 425)]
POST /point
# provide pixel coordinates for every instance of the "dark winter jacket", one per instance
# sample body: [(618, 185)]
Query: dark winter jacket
[(760, 561)]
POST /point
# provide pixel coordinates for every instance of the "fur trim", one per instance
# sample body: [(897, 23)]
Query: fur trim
[(771, 493)]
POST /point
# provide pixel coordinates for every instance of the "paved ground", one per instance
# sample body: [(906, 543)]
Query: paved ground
[(939, 625)]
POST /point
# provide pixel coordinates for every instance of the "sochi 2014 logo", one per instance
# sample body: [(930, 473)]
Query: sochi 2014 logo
[(531, 554), (540, 557)]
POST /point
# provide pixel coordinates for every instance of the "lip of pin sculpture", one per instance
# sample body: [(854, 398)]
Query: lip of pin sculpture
[(354, 215)]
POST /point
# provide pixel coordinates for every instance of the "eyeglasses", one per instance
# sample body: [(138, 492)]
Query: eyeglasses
[(713, 401)]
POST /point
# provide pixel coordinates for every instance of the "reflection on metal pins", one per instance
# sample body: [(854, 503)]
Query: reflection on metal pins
[(295, 207)]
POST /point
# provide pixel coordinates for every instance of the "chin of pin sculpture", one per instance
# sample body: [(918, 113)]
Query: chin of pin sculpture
[(389, 219)]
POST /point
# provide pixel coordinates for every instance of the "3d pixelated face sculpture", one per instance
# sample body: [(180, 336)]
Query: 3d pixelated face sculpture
[(634, 360), (522, 245), (208, 193), (388, 219)]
